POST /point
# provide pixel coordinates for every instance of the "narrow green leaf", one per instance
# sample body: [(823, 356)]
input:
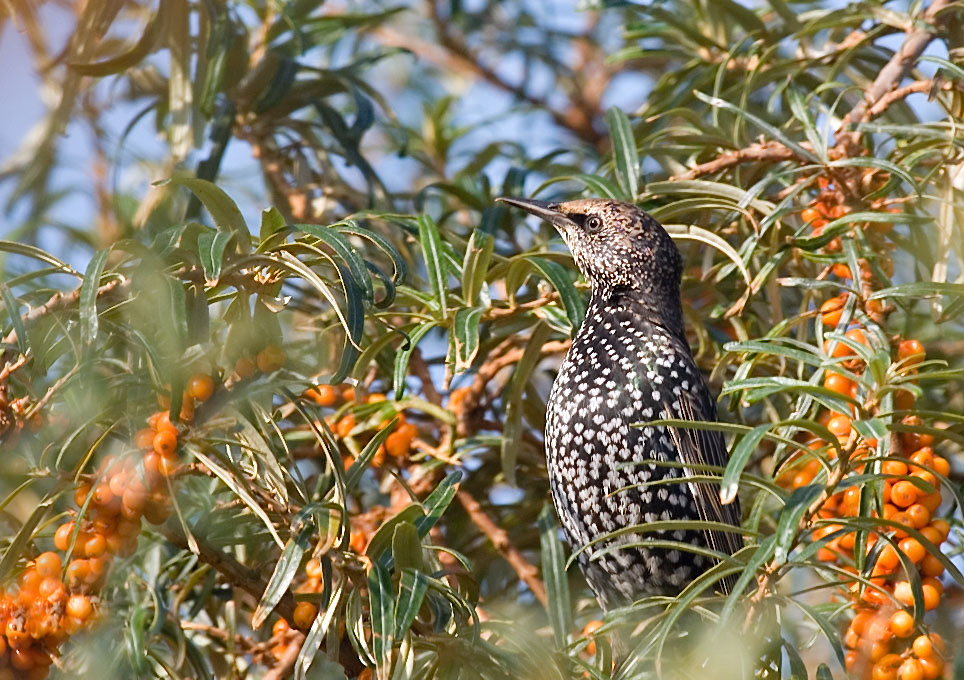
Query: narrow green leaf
[(18, 546), (284, 573), (239, 489), (625, 155), (412, 587), (222, 207), (465, 333), (437, 502), (572, 300), (512, 427), (789, 521), (770, 130), (13, 309), (475, 266), (554, 576), (122, 62), (343, 248), (315, 636), (381, 600), (381, 540), (405, 354), (431, 242), (211, 244), (354, 473), (271, 221), (920, 289), (87, 305), (406, 548), (739, 457)]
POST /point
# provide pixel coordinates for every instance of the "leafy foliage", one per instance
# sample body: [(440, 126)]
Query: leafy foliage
[(366, 472)]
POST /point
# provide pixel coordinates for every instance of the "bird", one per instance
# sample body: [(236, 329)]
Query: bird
[(629, 364)]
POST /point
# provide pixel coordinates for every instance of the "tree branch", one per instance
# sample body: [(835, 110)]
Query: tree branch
[(895, 70), (528, 572), (767, 151)]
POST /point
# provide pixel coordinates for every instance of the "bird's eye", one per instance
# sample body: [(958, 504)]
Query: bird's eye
[(593, 224)]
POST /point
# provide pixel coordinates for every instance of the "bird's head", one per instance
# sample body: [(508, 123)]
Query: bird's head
[(615, 245)]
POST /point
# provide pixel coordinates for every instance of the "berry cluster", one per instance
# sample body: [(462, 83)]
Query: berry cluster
[(883, 639), (344, 422), (54, 601)]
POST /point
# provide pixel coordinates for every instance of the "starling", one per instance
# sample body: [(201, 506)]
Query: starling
[(630, 363)]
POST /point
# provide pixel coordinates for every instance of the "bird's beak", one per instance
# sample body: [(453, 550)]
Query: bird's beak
[(548, 211)]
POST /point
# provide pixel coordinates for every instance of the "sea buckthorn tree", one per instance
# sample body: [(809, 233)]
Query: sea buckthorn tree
[(274, 365)]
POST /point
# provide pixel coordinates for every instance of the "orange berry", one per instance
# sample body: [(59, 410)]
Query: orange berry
[(831, 310), (62, 537), (280, 626), (95, 546), (144, 439), (912, 350), (244, 367), (134, 500), (840, 426), (200, 386), (888, 558), (78, 571), (919, 515), (48, 564), (857, 335), (80, 607), (81, 494), (886, 667), (943, 526), (901, 623), (904, 400), (103, 495), (165, 443), (325, 395), (898, 468), (931, 501), (922, 458), (304, 614), (923, 646), (932, 667), (941, 466), (270, 359), (345, 425), (903, 494), (313, 568), (839, 350), (841, 270), (913, 548), (837, 382), (809, 214), (375, 398), (932, 595), (910, 670)]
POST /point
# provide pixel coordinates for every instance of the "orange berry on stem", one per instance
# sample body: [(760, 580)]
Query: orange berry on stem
[(904, 494), (304, 614), (831, 310), (200, 386), (79, 606), (901, 623), (48, 564), (932, 667), (840, 426), (245, 367), (325, 395), (165, 442), (270, 359), (912, 351), (910, 669), (913, 548), (837, 382), (62, 537), (144, 439)]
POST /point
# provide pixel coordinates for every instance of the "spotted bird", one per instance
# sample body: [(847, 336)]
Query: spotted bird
[(630, 363)]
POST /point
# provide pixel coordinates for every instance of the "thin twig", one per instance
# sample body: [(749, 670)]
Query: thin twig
[(767, 151), (895, 70), (528, 572)]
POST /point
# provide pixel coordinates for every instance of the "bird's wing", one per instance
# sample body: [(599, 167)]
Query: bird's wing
[(703, 447)]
